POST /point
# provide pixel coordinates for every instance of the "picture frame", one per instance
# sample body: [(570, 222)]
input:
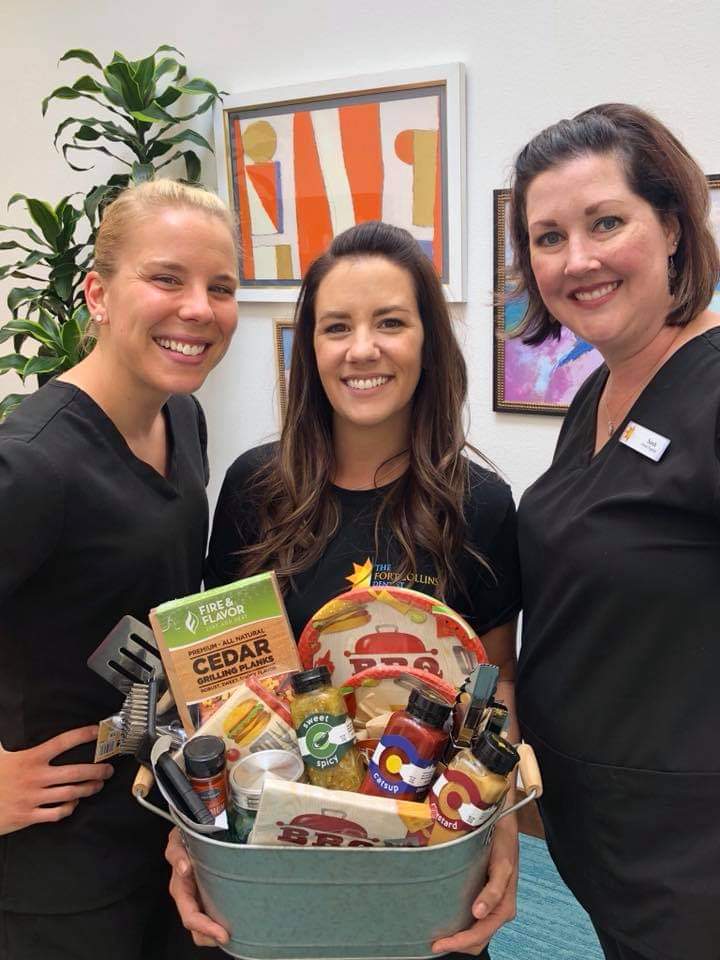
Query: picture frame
[(543, 379), (283, 333), (300, 164)]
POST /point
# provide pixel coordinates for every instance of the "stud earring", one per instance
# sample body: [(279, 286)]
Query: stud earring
[(98, 318)]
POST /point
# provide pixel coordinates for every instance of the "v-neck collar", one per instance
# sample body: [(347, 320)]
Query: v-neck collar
[(166, 485), (655, 383)]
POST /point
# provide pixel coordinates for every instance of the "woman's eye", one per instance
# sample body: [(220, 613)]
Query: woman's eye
[(335, 328), (166, 279), (223, 291), (607, 223), (549, 239), (391, 322)]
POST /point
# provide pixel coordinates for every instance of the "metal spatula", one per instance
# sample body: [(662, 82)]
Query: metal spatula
[(127, 655)]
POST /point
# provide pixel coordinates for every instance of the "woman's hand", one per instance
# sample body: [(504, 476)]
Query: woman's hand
[(29, 781), (205, 932), (495, 904)]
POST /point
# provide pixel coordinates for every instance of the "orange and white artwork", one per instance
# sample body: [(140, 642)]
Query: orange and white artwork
[(299, 172)]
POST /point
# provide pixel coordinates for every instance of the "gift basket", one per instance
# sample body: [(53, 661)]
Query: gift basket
[(338, 799)]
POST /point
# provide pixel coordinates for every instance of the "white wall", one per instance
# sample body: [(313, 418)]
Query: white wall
[(528, 64)]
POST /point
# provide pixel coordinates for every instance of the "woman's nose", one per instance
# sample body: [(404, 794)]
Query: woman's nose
[(362, 346), (581, 256), (196, 305)]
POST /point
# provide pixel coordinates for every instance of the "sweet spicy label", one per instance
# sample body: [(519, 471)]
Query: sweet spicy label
[(324, 739)]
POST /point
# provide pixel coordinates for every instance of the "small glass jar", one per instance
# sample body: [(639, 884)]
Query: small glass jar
[(204, 758), (325, 733), (246, 782)]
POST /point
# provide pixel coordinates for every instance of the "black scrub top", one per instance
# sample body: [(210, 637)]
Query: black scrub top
[(620, 659)]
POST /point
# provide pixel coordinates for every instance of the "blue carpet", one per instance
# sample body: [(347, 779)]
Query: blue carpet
[(550, 923)]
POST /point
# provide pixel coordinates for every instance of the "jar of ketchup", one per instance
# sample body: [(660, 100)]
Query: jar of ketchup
[(404, 760)]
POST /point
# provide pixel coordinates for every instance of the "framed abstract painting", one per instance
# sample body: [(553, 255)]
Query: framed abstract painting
[(545, 378), (283, 332), (301, 164)]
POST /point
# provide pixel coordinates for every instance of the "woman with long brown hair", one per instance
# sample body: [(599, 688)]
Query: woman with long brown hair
[(372, 471)]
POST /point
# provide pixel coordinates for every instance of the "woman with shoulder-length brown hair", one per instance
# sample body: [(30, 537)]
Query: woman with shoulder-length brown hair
[(372, 471), (620, 538)]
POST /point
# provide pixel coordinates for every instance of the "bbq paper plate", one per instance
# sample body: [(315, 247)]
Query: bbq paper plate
[(390, 626)]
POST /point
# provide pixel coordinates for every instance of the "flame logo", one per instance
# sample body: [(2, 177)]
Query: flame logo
[(191, 622)]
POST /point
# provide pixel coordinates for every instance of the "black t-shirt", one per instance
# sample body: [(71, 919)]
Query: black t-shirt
[(620, 656), (89, 533), (489, 599)]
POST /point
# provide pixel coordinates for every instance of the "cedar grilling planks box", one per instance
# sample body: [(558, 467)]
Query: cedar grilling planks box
[(210, 642)]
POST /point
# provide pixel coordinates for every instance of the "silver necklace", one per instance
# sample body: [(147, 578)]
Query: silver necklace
[(635, 393)]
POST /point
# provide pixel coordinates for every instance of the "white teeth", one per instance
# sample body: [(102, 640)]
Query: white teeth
[(599, 292), (187, 349), (367, 384)]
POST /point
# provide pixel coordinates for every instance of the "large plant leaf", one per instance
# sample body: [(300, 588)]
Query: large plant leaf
[(95, 198), (141, 172), (44, 365), (79, 54), (87, 84), (45, 218), (157, 149), (119, 71), (168, 49), (144, 73), (101, 149), (28, 233), (61, 93), (27, 328), (166, 65), (71, 336), (199, 86), (189, 136), (168, 97), (14, 245), (11, 402), (193, 166), (51, 326), (152, 113), (12, 361)]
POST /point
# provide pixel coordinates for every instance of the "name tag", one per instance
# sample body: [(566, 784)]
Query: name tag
[(644, 441)]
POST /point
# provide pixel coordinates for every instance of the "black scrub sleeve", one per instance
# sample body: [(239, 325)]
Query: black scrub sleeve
[(494, 586), (31, 512), (203, 434), (235, 519)]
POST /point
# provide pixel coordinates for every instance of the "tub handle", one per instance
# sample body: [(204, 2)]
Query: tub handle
[(142, 785), (531, 778)]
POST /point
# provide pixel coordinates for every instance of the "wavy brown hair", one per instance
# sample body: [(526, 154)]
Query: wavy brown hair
[(658, 168), (297, 510)]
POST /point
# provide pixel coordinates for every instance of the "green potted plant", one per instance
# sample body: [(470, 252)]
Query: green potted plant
[(138, 128)]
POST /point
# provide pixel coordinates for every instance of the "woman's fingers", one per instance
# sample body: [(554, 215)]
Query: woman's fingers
[(65, 741), (70, 792), (52, 814), (493, 891), (54, 775)]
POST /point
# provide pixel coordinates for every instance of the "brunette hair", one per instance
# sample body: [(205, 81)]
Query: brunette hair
[(143, 199), (657, 167), (297, 510)]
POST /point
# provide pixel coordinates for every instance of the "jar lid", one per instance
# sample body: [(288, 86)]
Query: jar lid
[(204, 756), (430, 709), (247, 777), (496, 753), (310, 679)]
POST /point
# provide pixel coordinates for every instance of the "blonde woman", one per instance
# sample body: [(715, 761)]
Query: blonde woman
[(104, 513)]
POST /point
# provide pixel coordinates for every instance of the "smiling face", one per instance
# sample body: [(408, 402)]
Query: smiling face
[(368, 342), (599, 253), (168, 312)]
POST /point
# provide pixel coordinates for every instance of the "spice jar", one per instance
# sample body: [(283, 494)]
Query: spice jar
[(466, 795), (246, 782), (205, 767), (325, 733), (404, 760)]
